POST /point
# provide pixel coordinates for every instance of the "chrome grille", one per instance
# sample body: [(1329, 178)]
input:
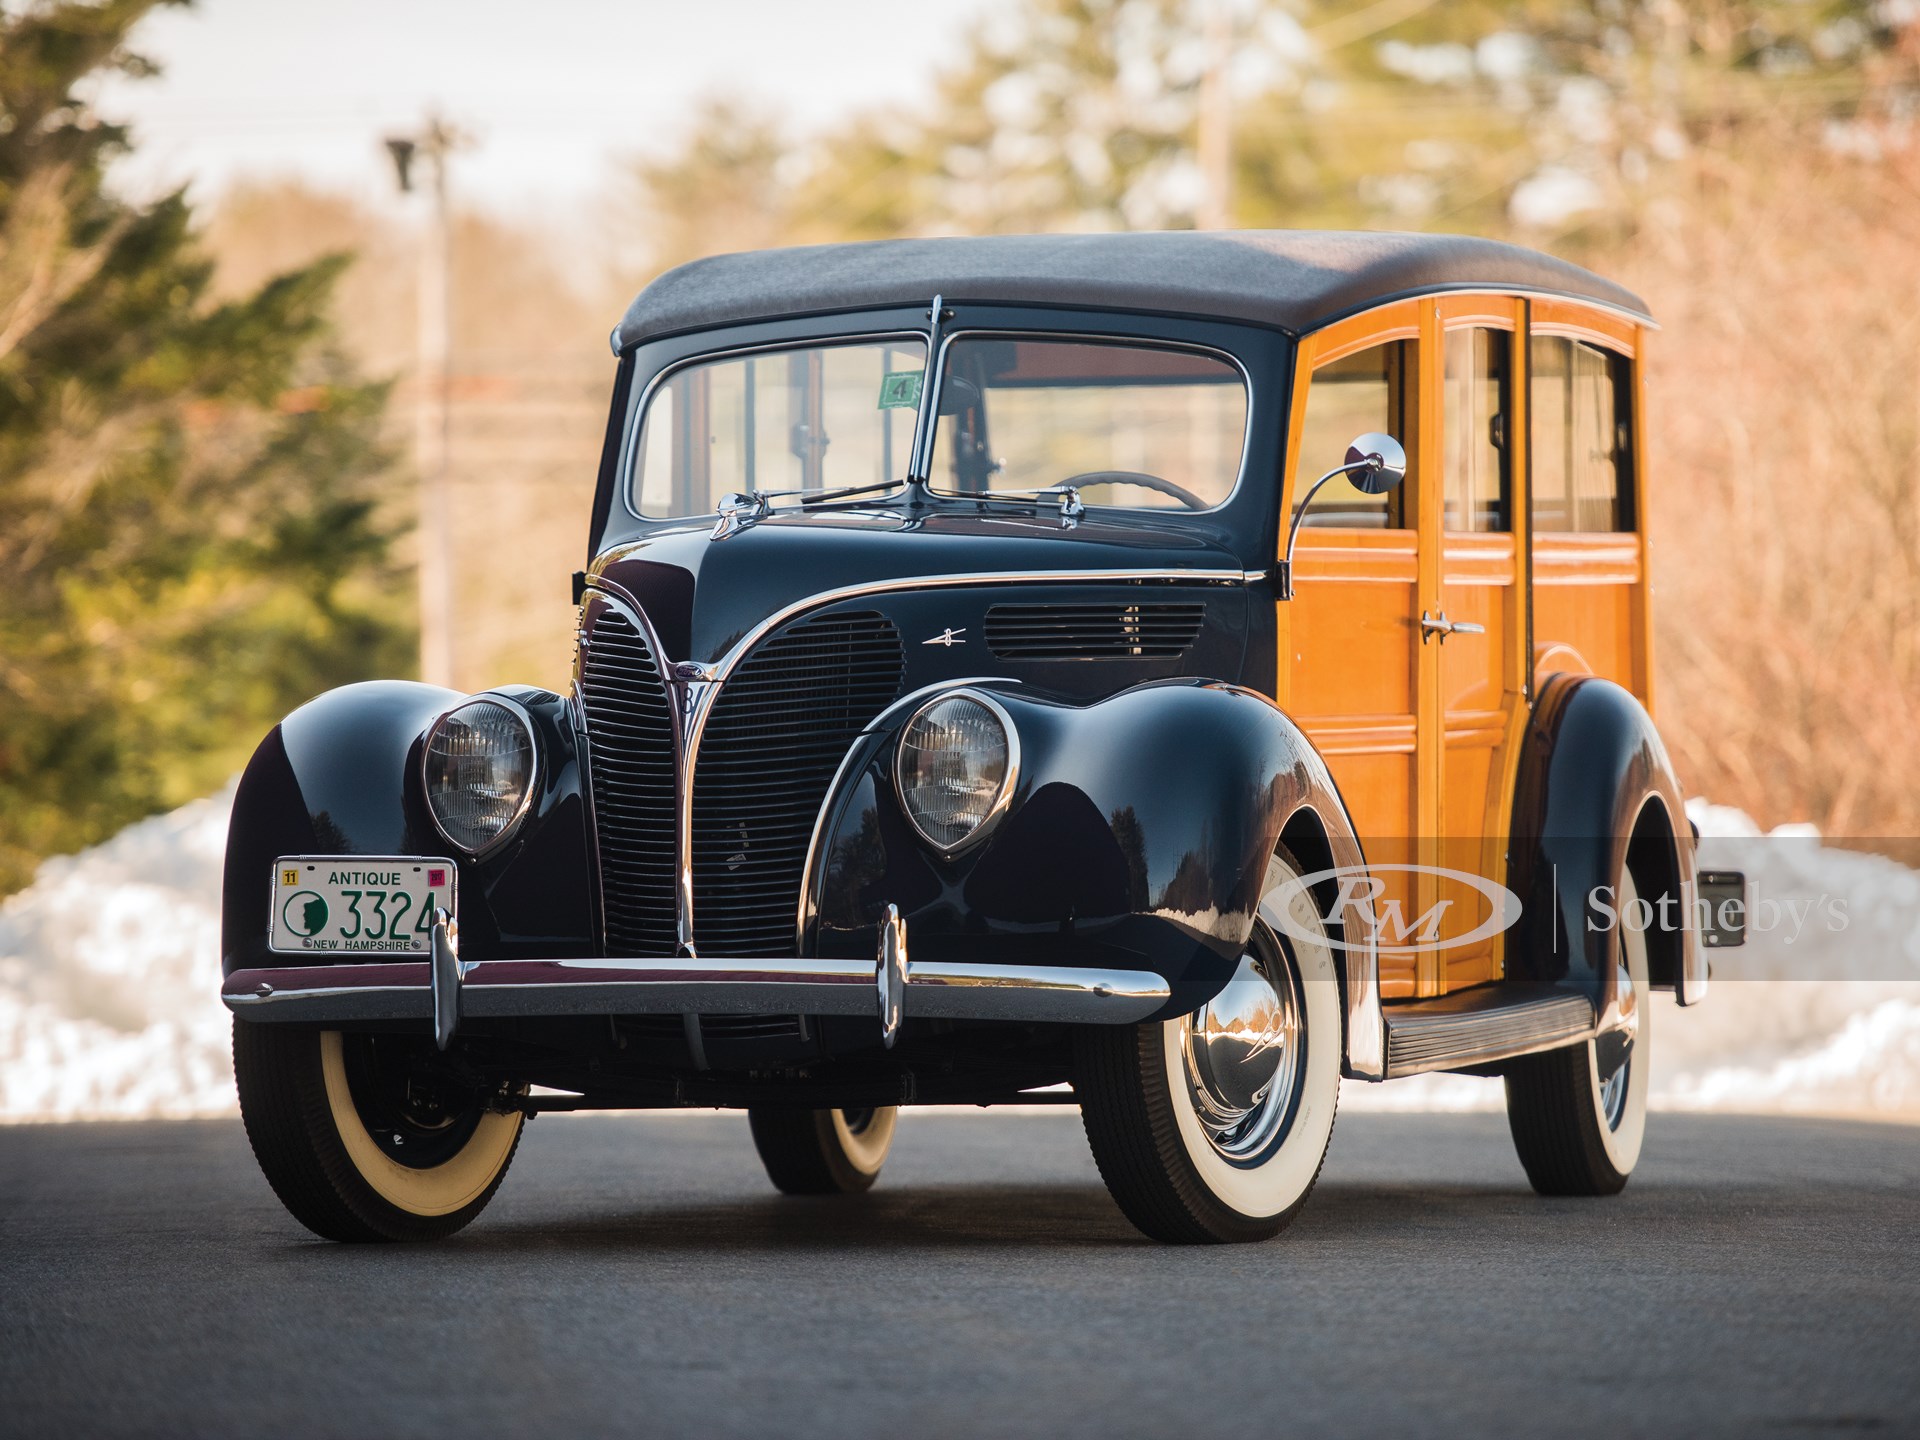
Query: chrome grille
[(1154, 630), (630, 747), (778, 730)]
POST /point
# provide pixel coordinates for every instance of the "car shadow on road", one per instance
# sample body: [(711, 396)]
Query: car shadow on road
[(925, 1217), (953, 1218)]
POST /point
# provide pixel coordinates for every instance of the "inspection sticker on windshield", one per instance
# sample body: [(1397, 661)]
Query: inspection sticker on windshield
[(357, 903), (900, 389)]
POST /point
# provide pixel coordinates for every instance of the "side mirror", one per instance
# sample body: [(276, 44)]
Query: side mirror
[(1375, 463)]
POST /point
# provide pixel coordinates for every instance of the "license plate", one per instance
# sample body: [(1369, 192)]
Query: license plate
[(357, 903)]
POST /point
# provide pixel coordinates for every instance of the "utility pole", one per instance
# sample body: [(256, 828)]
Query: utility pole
[(420, 162), (1214, 142)]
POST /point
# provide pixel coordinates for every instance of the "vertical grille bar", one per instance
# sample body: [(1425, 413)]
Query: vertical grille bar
[(631, 749), (779, 728)]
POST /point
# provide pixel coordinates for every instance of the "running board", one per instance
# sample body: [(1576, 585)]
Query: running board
[(1479, 1026)]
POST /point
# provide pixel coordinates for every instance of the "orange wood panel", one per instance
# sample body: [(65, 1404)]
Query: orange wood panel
[(1424, 739), (1587, 612), (1599, 327)]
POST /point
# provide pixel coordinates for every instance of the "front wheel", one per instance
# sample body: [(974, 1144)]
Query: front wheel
[(366, 1137), (822, 1152), (1579, 1114), (1212, 1127)]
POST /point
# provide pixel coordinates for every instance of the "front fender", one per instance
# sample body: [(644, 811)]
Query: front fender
[(1137, 837), (1596, 794), (341, 776)]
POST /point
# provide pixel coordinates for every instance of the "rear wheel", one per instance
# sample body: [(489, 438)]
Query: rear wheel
[(1578, 1115), (1212, 1127), (367, 1137), (822, 1152)]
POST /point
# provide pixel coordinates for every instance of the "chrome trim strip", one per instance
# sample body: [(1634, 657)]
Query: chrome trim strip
[(583, 752), (497, 988), (927, 419)]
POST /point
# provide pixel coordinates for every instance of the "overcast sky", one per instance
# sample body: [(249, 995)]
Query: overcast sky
[(295, 87)]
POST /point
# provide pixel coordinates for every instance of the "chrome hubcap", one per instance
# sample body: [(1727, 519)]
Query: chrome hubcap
[(1244, 1056), (1613, 1089)]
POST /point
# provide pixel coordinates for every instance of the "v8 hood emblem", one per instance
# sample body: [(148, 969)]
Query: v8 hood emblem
[(948, 638)]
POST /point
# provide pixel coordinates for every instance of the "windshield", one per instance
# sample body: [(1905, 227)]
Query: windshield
[(816, 418), (1141, 426)]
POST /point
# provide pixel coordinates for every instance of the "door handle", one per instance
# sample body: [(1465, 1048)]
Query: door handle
[(1431, 625)]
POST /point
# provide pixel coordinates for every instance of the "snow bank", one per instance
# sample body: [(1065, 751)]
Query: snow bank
[(110, 977), (110, 980)]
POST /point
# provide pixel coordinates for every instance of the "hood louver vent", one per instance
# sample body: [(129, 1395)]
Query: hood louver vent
[(1154, 630)]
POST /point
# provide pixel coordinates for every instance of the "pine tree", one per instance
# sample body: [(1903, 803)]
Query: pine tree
[(192, 537)]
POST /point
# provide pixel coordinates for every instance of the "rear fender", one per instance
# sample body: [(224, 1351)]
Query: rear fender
[(1597, 795)]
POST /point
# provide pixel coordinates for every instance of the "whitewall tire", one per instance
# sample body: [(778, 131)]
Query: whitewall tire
[(1213, 1126), (822, 1152), (361, 1140)]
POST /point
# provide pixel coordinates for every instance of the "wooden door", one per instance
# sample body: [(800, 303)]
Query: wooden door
[(1351, 670), (1476, 527)]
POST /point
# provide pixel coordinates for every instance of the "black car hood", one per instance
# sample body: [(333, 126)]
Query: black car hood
[(703, 595)]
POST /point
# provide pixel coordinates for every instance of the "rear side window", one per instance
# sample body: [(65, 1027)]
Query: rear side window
[(1475, 425), (1371, 390), (1582, 437)]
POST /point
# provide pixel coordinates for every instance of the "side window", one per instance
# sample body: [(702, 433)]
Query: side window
[(1582, 441), (1370, 390), (1477, 491)]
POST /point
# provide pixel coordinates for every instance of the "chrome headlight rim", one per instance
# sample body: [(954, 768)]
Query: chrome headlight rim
[(511, 828), (1001, 803)]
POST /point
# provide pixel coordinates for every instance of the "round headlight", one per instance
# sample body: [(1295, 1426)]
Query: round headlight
[(955, 769), (479, 772)]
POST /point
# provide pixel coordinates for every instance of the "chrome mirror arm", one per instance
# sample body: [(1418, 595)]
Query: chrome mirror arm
[(1377, 462), (1370, 463)]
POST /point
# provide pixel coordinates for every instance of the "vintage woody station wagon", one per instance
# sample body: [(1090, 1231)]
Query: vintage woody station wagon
[(1168, 673)]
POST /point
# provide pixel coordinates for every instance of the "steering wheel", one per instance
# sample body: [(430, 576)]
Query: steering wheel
[(1134, 477)]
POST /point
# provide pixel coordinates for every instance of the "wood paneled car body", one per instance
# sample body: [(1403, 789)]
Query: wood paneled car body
[(1170, 673)]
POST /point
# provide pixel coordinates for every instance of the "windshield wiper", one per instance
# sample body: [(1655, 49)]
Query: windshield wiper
[(743, 508), (1071, 505)]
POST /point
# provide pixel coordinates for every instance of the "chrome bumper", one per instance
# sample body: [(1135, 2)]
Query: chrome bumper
[(407, 990)]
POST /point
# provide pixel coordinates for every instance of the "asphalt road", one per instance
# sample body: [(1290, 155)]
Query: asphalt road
[(637, 1277)]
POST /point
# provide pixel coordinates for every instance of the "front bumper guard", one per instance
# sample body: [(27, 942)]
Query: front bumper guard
[(443, 990)]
